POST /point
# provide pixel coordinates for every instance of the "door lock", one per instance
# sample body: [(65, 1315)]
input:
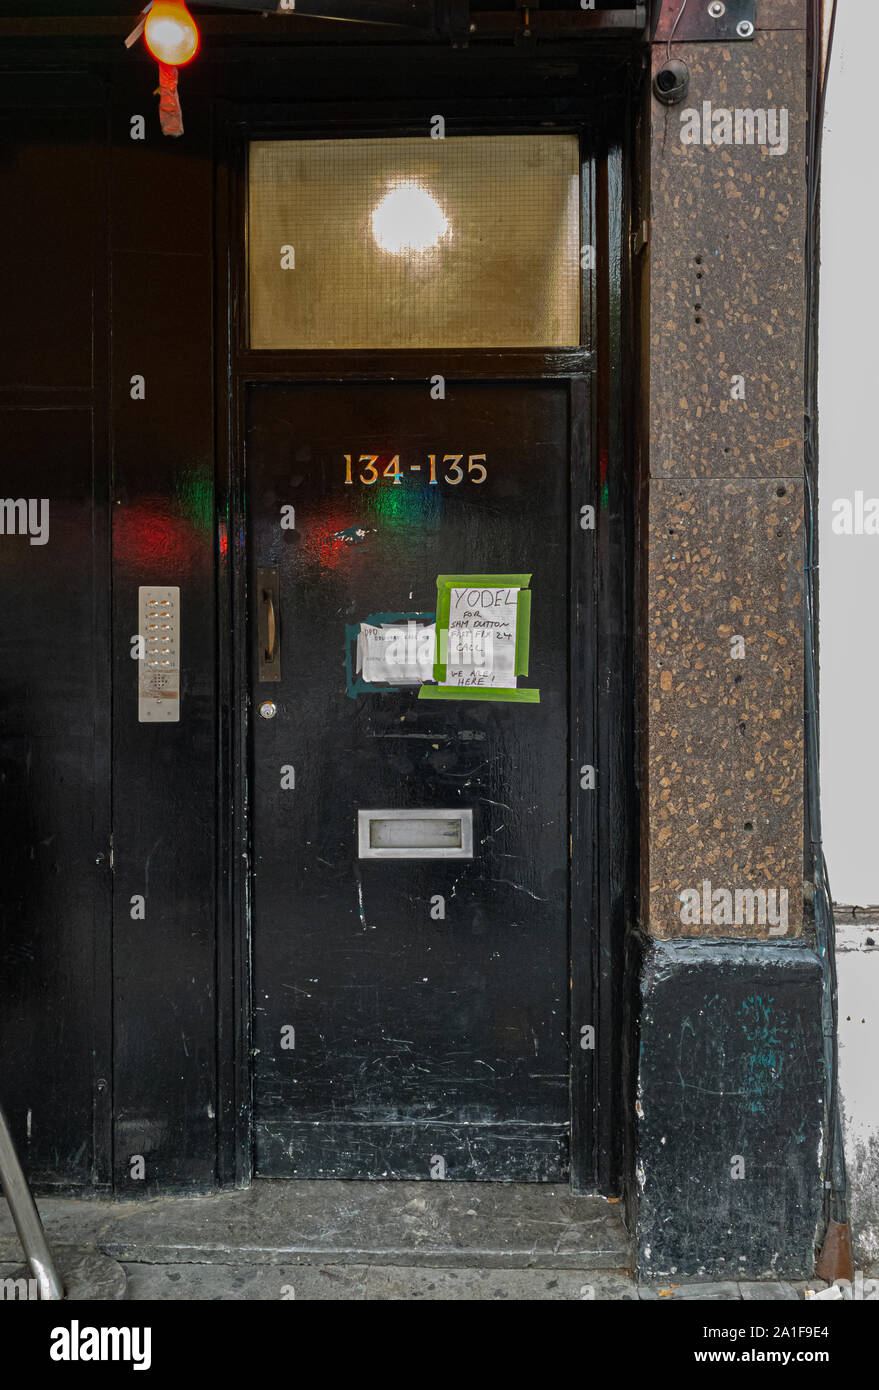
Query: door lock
[(268, 709)]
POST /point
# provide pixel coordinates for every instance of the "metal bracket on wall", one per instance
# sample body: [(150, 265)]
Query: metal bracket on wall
[(706, 21)]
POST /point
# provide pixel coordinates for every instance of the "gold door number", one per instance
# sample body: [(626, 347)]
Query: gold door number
[(372, 467)]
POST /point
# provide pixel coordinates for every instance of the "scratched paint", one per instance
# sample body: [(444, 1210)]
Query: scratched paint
[(763, 1059), (730, 1081)]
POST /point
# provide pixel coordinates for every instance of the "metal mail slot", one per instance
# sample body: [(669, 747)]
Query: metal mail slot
[(418, 834)]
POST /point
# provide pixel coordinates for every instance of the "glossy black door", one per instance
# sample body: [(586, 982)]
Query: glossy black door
[(392, 1040)]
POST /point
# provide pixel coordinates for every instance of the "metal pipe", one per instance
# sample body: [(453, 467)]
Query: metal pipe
[(419, 14), (271, 25), (27, 1219)]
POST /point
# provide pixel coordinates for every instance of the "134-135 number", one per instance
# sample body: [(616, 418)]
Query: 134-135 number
[(451, 467)]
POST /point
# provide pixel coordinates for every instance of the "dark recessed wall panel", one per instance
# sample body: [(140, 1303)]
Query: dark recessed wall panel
[(164, 774), (161, 186), (50, 240), (53, 799)]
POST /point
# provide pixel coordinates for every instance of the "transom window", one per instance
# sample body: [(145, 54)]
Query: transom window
[(465, 242)]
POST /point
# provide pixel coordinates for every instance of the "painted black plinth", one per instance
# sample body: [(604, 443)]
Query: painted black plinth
[(730, 1081)]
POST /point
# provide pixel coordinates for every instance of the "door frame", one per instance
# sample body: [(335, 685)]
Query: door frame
[(601, 391)]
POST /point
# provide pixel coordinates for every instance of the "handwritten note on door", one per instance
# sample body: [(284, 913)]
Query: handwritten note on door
[(482, 638)]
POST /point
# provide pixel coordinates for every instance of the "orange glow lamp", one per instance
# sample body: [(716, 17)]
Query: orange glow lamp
[(171, 35)]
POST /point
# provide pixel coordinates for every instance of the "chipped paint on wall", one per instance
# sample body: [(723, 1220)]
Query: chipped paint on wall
[(858, 967), (729, 1121)]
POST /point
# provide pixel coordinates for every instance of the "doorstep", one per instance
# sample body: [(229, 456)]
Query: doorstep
[(434, 1224)]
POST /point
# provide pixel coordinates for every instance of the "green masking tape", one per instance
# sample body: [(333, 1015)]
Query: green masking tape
[(445, 583), (466, 693)]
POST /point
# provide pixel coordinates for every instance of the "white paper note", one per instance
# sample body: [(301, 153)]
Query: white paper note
[(482, 638), (396, 653)]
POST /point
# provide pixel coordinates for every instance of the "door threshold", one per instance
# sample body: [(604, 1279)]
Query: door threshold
[(283, 1221)]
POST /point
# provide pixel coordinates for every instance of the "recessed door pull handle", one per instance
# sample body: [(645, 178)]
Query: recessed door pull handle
[(270, 625)]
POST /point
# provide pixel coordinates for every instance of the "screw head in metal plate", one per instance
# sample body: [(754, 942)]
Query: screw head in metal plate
[(744, 28), (268, 709), (717, 9)]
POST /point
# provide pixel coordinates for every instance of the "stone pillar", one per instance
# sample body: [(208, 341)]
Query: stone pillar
[(730, 1082)]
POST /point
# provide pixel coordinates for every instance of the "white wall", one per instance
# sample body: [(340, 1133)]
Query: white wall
[(849, 406), (857, 956), (849, 583)]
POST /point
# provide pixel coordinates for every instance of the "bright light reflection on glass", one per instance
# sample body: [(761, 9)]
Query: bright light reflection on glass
[(409, 219)]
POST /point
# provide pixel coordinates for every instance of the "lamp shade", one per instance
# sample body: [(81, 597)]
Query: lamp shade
[(171, 34)]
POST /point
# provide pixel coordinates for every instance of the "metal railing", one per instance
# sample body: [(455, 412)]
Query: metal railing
[(27, 1219)]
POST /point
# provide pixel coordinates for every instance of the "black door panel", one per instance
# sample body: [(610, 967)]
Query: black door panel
[(422, 1044)]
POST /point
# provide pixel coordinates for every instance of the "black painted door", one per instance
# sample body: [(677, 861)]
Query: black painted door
[(410, 1015)]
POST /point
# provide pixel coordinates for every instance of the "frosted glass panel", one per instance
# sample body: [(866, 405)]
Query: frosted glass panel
[(463, 242)]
